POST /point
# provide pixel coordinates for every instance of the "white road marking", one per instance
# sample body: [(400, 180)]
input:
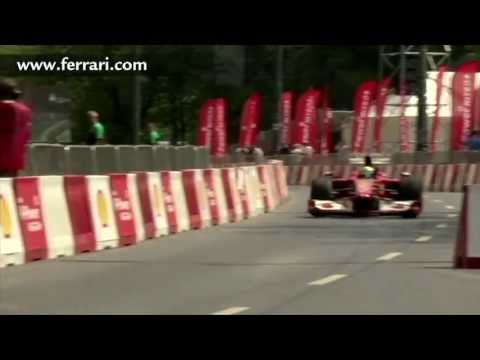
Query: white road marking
[(449, 207), (389, 256), (441, 226), (328, 279), (452, 215), (231, 311), (437, 201), (423, 238)]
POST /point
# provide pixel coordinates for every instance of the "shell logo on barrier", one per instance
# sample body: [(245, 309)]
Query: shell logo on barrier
[(103, 208), (157, 201), (5, 218)]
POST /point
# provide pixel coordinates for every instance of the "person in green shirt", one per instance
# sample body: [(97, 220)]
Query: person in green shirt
[(155, 136), (96, 135)]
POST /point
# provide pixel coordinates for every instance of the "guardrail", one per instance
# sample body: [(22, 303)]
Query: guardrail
[(440, 157), (49, 159)]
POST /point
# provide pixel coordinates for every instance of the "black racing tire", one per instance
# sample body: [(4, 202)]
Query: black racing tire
[(410, 215), (316, 213), (321, 189), (410, 188)]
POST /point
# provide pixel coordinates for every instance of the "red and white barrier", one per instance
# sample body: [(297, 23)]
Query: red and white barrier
[(12, 251), (175, 201), (467, 247), (428, 177), (458, 178), (234, 204), (315, 172), (92, 215), (197, 199), (152, 201), (438, 177), (293, 174), (31, 216), (127, 208), (246, 190), (256, 186), (267, 187), (304, 175), (472, 174), (216, 196), (280, 178)]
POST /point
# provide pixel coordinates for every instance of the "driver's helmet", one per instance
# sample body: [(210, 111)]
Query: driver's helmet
[(368, 172)]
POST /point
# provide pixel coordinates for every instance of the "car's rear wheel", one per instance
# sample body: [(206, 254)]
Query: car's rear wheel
[(321, 189)]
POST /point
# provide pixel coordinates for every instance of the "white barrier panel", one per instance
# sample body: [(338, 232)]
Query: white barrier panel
[(152, 202), (216, 196), (12, 251), (127, 208), (467, 247), (100, 196), (175, 201), (247, 190), (273, 185), (252, 177), (57, 218), (234, 202), (197, 199)]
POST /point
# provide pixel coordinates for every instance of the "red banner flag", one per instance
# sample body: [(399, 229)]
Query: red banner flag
[(436, 120), (288, 99), (383, 92), (251, 121), (301, 131), (207, 115), (463, 104), (366, 94), (219, 136)]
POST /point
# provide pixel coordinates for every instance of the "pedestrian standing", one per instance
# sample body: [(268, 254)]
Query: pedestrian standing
[(15, 129), (155, 135), (96, 133)]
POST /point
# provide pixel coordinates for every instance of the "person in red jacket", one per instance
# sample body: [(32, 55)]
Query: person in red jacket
[(15, 129)]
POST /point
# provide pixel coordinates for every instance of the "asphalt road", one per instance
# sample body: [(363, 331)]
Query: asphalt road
[(285, 262)]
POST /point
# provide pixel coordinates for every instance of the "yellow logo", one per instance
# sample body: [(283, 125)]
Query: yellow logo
[(157, 201), (102, 208), (5, 218)]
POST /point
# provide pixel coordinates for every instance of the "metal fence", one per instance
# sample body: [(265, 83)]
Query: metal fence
[(47, 159)]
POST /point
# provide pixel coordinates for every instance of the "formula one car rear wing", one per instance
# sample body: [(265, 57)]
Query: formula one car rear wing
[(377, 159)]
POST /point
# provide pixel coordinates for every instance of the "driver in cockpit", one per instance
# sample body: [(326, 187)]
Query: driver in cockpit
[(369, 171)]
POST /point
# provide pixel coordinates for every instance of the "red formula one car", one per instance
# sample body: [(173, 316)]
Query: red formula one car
[(366, 193)]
